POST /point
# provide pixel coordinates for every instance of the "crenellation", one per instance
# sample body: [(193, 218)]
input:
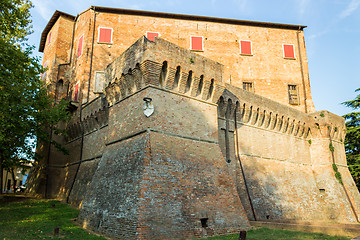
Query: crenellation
[(179, 137)]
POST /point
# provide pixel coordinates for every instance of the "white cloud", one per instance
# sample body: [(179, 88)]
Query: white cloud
[(352, 7), (318, 34)]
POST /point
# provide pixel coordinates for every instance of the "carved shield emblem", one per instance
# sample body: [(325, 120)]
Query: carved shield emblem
[(148, 107)]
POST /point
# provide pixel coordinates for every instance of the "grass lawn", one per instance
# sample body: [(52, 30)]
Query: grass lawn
[(37, 219), (275, 234)]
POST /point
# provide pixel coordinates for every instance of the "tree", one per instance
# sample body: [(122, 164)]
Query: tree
[(352, 139), (26, 111)]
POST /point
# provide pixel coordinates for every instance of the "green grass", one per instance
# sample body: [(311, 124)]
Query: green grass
[(276, 234), (37, 219)]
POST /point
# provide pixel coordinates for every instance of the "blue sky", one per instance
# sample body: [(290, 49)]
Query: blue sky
[(332, 36)]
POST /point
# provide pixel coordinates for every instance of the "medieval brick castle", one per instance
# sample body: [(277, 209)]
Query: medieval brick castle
[(188, 126)]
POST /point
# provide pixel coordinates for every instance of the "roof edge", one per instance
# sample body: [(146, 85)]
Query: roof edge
[(197, 18), (57, 14), (50, 24)]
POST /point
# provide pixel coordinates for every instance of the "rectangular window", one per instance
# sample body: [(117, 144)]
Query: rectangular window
[(49, 38), (99, 82), (196, 43), (105, 35), (245, 47), (76, 92), (151, 35), (293, 94), (289, 51), (80, 46), (248, 86)]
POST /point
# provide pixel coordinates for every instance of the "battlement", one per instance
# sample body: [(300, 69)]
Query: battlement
[(153, 63), (171, 142)]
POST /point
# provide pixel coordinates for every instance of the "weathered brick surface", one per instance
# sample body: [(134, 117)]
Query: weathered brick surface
[(210, 149), (111, 204), (287, 159), (83, 179), (266, 68)]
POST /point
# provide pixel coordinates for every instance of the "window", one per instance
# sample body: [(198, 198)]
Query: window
[(99, 82), (293, 94), (151, 35), (60, 88), (288, 50), (245, 47), (211, 89), (188, 82), (49, 38), (105, 35), (196, 43), (76, 92), (204, 222), (248, 86), (80, 46), (177, 77), (200, 86)]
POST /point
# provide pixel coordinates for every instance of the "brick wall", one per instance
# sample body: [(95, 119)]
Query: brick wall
[(209, 151), (269, 71)]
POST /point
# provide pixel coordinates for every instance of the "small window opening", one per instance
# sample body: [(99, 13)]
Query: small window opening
[(60, 89), (163, 73), (105, 35), (80, 45), (76, 92), (293, 95), (152, 35), (211, 89), (248, 86), (188, 82), (177, 77), (200, 85), (288, 50), (245, 47), (204, 222), (322, 190), (196, 43)]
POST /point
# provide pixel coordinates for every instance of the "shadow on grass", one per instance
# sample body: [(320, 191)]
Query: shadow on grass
[(37, 219), (276, 234)]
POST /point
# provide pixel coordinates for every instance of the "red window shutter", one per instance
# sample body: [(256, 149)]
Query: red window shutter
[(49, 38), (151, 35), (76, 92), (105, 35), (245, 47), (289, 51), (197, 43), (80, 46)]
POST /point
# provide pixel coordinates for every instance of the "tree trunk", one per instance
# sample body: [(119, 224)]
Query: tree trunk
[(14, 180), (1, 174), (6, 180)]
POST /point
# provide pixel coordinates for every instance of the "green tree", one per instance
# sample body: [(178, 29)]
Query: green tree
[(26, 111), (352, 139)]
